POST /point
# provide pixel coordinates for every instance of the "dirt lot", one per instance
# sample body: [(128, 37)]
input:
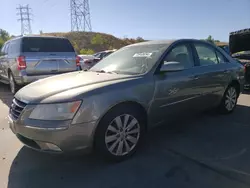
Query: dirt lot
[(205, 151)]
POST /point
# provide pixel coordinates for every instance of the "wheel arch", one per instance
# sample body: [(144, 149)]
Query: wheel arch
[(9, 72), (237, 86), (123, 103), (129, 103)]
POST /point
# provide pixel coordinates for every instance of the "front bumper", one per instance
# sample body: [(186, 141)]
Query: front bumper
[(77, 137)]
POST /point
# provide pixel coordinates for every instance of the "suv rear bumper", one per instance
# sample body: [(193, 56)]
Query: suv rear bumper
[(23, 80)]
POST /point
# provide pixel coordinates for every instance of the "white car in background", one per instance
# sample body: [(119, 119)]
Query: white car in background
[(87, 61)]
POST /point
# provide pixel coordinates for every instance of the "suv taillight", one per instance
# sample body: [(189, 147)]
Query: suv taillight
[(78, 59), (245, 68), (21, 63)]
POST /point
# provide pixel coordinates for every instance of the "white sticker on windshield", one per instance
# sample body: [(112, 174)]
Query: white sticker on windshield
[(143, 54)]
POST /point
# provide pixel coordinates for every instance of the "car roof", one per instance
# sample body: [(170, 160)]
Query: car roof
[(34, 36), (167, 42)]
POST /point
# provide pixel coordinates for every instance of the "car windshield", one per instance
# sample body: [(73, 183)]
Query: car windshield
[(137, 59)]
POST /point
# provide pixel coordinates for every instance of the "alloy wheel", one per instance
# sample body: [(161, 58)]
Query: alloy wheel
[(231, 98), (122, 135), (12, 84)]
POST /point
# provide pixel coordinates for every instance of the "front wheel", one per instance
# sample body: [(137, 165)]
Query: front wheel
[(119, 133), (229, 101)]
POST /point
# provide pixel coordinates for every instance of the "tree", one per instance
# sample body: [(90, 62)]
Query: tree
[(140, 39), (75, 46), (1, 43), (211, 39), (87, 51), (41, 32), (4, 35), (97, 39)]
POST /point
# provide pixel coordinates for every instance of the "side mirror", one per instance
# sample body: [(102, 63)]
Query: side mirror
[(171, 66)]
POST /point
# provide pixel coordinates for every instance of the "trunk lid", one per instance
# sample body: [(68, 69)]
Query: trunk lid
[(48, 55), (43, 63)]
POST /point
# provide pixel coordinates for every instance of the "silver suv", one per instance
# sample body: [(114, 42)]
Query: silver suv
[(29, 58)]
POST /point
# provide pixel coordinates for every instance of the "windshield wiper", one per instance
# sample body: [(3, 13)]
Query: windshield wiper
[(100, 71), (109, 72)]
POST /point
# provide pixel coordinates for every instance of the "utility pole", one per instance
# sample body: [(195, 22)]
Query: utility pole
[(24, 13), (80, 15)]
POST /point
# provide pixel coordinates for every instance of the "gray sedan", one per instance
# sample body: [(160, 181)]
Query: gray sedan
[(110, 107)]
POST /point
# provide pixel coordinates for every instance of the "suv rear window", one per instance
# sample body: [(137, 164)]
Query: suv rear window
[(46, 45)]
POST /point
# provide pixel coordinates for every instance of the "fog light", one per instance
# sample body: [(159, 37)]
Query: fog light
[(52, 147)]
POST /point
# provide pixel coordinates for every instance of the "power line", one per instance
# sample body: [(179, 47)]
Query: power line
[(25, 18), (80, 15)]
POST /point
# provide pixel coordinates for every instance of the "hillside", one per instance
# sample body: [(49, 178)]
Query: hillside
[(221, 43), (90, 42)]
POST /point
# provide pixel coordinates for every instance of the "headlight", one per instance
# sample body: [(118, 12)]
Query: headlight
[(60, 111)]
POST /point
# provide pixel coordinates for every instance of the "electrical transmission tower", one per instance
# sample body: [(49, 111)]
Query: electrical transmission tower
[(80, 15), (24, 13)]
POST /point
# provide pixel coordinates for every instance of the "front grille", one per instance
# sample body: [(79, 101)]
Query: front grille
[(16, 108)]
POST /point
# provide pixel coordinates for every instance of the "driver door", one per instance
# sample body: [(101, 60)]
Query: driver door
[(175, 92)]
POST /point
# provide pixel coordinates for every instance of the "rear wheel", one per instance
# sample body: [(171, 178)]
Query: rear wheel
[(229, 100), (119, 133), (13, 85)]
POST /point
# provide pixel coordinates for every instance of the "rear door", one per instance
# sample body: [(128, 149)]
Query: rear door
[(211, 75), (46, 56)]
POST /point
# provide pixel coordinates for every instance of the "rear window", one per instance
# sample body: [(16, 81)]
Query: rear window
[(46, 45)]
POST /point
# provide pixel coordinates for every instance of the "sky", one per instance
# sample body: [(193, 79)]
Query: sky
[(149, 19)]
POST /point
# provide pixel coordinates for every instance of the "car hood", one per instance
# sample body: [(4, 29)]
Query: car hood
[(67, 86), (239, 41)]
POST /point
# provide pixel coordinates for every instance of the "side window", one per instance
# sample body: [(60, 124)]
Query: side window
[(181, 53), (14, 47), (10, 50), (102, 55), (6, 48), (206, 55), (107, 54), (221, 57), (98, 55)]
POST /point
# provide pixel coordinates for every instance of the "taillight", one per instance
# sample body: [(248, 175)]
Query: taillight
[(78, 59), (21, 63), (245, 68)]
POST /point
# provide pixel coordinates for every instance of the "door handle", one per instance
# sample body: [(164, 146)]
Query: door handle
[(195, 77)]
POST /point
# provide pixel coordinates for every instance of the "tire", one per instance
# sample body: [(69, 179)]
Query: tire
[(118, 145), (229, 100), (13, 86)]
